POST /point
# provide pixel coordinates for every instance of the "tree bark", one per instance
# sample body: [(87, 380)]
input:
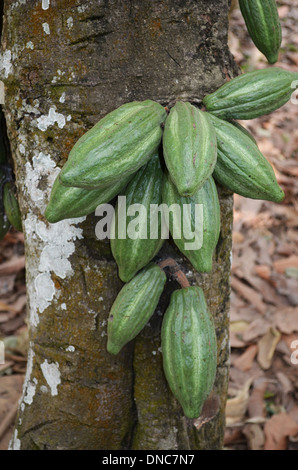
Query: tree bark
[(65, 64)]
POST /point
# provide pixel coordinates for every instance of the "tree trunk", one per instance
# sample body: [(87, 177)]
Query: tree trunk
[(65, 64)]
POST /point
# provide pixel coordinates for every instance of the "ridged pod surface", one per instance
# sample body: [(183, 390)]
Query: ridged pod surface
[(11, 206), (252, 94), (116, 147), (241, 167), (189, 349), (206, 225), (262, 22), (69, 202), (189, 147), (145, 188), (134, 306)]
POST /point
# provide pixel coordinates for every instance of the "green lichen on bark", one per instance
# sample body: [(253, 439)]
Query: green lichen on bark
[(106, 56)]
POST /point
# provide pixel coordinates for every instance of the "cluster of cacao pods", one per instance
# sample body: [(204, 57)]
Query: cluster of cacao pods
[(153, 156)]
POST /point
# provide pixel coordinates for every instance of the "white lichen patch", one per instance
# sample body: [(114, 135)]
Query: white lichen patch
[(30, 109), (82, 8), (29, 45), (42, 166), (52, 375), (22, 149), (45, 121), (70, 349), (29, 383), (46, 28), (70, 22), (45, 4), (6, 63), (15, 443), (62, 98), (63, 306), (31, 389), (44, 288), (55, 242)]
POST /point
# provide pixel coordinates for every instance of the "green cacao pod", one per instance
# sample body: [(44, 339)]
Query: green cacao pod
[(132, 254), (189, 349), (134, 306), (241, 167), (252, 94), (206, 225), (11, 206), (116, 147), (262, 22), (189, 147), (70, 202)]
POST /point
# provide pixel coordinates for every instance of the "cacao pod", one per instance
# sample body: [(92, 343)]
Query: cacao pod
[(132, 254), (189, 349), (241, 167), (208, 226), (70, 202), (116, 147), (11, 206), (134, 306), (252, 94), (189, 147), (262, 22)]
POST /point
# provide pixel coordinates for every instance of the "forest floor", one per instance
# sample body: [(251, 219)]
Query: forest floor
[(262, 408)]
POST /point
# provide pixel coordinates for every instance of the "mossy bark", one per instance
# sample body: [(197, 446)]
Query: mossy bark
[(68, 63)]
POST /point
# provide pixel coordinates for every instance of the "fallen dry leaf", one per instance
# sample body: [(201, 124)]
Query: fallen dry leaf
[(263, 271), (283, 11), (286, 320), (257, 328), (233, 435), (290, 341), (4, 307), (287, 386), (236, 407), (293, 413), (277, 429), (268, 293), (238, 237), (239, 326), (281, 265), (255, 436), (267, 345), (12, 266), (245, 361), (249, 294), (256, 404), (236, 341)]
